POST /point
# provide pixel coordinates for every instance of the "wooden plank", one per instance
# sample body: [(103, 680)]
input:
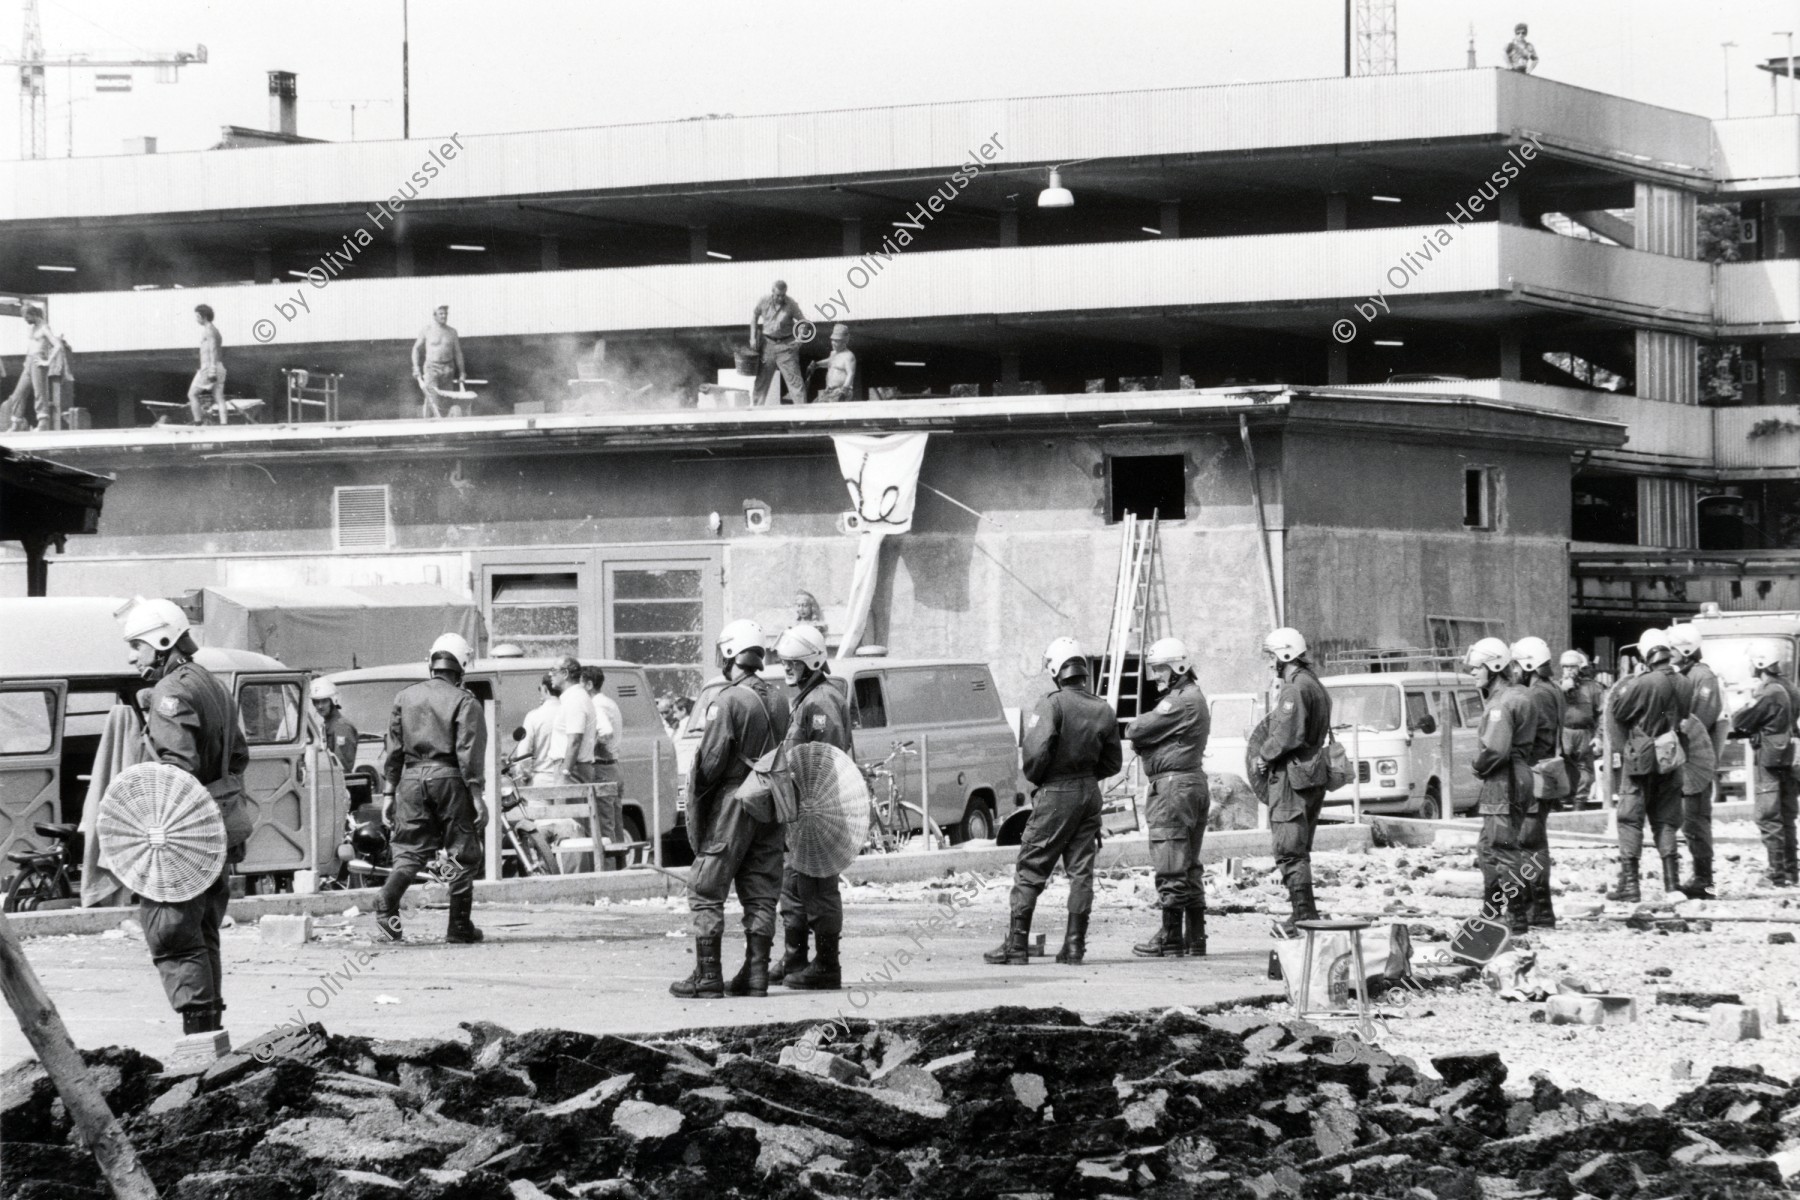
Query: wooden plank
[(43, 1027)]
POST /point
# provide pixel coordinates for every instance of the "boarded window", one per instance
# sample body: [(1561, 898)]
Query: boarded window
[(360, 518), (540, 614)]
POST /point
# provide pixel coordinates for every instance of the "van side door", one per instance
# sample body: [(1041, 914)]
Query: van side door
[(272, 716), (1465, 743), (31, 734)]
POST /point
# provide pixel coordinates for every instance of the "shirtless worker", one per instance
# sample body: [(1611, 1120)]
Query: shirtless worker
[(210, 378), (437, 359), (840, 368)]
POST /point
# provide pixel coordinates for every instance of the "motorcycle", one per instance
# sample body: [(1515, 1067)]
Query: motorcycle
[(366, 854), (46, 879)]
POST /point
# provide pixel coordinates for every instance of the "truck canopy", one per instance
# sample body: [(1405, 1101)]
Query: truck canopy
[(335, 628)]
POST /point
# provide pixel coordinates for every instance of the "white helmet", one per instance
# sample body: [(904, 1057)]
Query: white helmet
[(1531, 653), (803, 644), (1653, 643), (160, 623), (456, 647), (1062, 652), (1489, 652), (740, 636), (1285, 644), (1574, 658), (1684, 639), (323, 689), (1764, 656), (1172, 653)]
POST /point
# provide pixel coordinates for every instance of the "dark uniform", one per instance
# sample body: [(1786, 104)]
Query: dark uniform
[(1509, 731), (735, 844), (340, 738), (192, 724), (1642, 708), (1580, 714), (1071, 743), (1548, 704), (1170, 741), (1704, 746), (810, 902), (436, 756), (1292, 754), (1768, 721)]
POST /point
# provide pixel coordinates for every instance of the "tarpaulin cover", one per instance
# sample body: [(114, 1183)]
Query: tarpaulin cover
[(337, 628)]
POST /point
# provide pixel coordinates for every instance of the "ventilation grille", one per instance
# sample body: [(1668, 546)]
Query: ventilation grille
[(627, 690), (359, 518)]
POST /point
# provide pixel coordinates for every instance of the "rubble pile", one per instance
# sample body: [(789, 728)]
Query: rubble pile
[(1010, 1101)]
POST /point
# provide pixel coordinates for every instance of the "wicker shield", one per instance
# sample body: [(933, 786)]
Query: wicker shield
[(833, 820), (162, 833)]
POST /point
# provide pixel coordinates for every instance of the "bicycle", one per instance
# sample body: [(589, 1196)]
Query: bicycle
[(891, 815), (46, 878)]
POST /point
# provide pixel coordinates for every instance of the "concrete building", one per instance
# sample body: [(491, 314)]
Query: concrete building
[(1460, 314)]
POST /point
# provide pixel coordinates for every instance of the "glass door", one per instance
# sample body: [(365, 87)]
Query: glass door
[(663, 614)]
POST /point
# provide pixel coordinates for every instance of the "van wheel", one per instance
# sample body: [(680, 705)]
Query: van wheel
[(1432, 807), (977, 823)]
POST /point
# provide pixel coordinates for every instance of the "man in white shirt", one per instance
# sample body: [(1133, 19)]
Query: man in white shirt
[(540, 731), (609, 723), (572, 742)]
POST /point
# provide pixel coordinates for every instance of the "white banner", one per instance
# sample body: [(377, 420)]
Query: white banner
[(882, 472)]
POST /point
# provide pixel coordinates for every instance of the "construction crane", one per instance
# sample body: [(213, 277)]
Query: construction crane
[(33, 62)]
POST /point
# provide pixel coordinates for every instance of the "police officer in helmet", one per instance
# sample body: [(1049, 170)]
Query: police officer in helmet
[(1170, 740), (1532, 654), (1704, 748), (433, 772), (1768, 721), (1290, 755), (1071, 743), (1503, 766), (736, 840), (192, 724), (811, 903), (340, 734), (1582, 696), (1648, 708)]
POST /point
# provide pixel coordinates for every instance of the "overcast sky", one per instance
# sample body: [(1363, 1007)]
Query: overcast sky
[(536, 64)]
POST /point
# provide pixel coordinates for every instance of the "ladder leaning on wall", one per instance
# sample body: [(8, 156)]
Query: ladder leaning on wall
[(1130, 611)]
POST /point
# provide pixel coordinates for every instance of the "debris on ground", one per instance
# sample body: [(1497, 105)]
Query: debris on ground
[(1006, 1101)]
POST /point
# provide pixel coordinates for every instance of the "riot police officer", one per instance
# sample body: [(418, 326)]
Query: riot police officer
[(1532, 654), (737, 841), (340, 734), (1768, 721), (810, 903), (433, 770), (1704, 746), (1643, 708), (1071, 743), (1289, 758), (192, 724), (1582, 696), (1509, 730), (1170, 740)]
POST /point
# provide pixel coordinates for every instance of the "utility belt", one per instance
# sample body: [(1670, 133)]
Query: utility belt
[(769, 337), (430, 766)]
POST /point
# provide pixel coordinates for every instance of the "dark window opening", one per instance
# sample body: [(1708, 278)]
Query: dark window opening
[(1146, 485), (1478, 498), (1606, 509), (870, 713)]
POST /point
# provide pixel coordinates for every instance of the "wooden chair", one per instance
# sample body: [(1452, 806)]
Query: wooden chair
[(598, 807)]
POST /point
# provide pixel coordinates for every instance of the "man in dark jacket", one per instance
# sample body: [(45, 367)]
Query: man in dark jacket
[(809, 903), (736, 841), (191, 724), (1170, 740), (1289, 757), (1503, 765), (1071, 743), (1643, 709), (1582, 694), (434, 768), (1550, 781), (1768, 721), (1705, 742)]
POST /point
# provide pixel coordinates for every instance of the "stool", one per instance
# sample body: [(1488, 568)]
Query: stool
[(1354, 928)]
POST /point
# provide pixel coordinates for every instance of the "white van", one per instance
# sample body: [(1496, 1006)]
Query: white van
[(1412, 736)]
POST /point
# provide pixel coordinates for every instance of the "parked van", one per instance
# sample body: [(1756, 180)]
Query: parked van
[(1725, 642), (63, 665), (646, 755), (949, 709), (1412, 736)]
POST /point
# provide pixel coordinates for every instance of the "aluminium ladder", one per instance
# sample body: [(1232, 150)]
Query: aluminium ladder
[(1130, 610)]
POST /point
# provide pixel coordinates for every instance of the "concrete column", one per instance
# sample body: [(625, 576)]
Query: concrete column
[(1511, 212), (1665, 223), (1668, 367), (1337, 366), (549, 253), (1667, 516), (1010, 366), (696, 243), (1009, 228), (1337, 212), (1170, 378), (1512, 354), (1170, 224), (852, 236), (262, 264)]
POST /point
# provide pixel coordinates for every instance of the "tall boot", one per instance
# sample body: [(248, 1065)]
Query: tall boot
[(1196, 931), (823, 973), (1671, 865), (1627, 890), (204, 1019), (752, 978), (387, 907), (461, 929), (1166, 942), (1300, 898), (1074, 947), (1701, 885), (1543, 912), (706, 982), (794, 961), (1012, 952)]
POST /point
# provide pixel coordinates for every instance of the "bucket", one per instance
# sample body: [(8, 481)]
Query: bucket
[(747, 360)]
